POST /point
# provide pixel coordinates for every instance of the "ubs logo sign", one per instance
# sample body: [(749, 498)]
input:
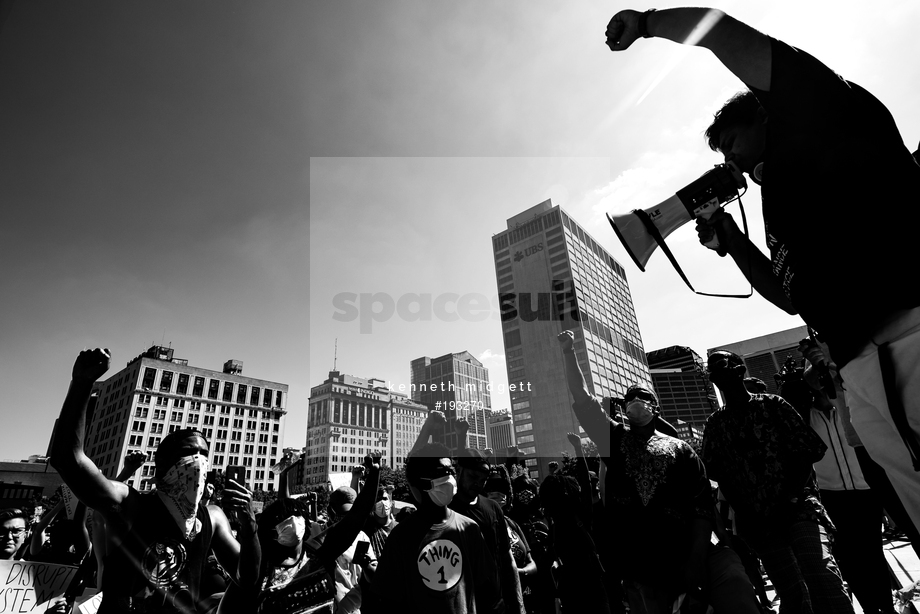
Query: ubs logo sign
[(530, 251)]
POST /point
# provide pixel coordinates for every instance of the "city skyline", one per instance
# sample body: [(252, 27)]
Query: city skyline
[(214, 175)]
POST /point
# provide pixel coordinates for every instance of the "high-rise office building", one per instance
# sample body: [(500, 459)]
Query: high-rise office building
[(553, 276), (764, 356), (501, 432), (156, 394), (458, 385), (348, 418), (682, 385)]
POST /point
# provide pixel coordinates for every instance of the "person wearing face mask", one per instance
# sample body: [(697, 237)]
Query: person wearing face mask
[(498, 489), (437, 561), (657, 487), (160, 540), (381, 521), (472, 471)]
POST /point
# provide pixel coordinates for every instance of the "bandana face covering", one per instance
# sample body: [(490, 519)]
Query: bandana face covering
[(291, 531), (181, 490)]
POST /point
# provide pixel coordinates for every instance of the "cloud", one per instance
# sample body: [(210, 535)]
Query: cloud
[(491, 360)]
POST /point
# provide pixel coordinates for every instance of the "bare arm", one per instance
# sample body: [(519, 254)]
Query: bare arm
[(133, 462), (590, 414), (756, 267), (240, 556), (342, 535), (67, 455), (38, 531), (743, 50), (461, 428), (433, 422)]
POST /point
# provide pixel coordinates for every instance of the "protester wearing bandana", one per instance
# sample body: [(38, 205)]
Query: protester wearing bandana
[(161, 539)]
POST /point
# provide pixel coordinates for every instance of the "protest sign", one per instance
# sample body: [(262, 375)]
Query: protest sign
[(89, 603), (70, 501), (26, 586)]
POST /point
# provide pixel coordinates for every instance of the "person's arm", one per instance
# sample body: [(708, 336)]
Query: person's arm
[(38, 531), (82, 543), (433, 423), (488, 589), (588, 410), (582, 475), (133, 461), (240, 556), (342, 535), (743, 50), (67, 456), (752, 263), (356, 473), (510, 580), (461, 428)]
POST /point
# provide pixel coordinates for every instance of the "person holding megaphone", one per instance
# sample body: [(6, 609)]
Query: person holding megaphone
[(821, 148)]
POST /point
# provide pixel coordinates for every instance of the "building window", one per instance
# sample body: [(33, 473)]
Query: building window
[(198, 388), (525, 439), (182, 386), (528, 450), (213, 388), (149, 376), (277, 398), (241, 394), (228, 392), (254, 395), (166, 381), (520, 428)]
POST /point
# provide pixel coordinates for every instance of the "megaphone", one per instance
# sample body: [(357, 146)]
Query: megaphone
[(641, 231)]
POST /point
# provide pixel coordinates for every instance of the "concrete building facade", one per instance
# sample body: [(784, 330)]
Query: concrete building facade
[(501, 432), (682, 385), (553, 276), (156, 394), (350, 417), (458, 385)]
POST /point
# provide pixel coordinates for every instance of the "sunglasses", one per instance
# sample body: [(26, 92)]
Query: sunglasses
[(642, 395)]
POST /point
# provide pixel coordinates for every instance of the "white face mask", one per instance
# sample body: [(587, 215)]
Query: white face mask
[(382, 508), (639, 413), (291, 531), (443, 490)]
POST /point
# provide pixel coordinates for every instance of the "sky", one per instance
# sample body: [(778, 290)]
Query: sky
[(232, 177)]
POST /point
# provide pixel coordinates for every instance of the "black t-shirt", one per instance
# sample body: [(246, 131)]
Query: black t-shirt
[(655, 489), (840, 201), (152, 556), (491, 520)]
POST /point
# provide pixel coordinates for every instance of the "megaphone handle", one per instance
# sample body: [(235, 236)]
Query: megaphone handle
[(713, 243)]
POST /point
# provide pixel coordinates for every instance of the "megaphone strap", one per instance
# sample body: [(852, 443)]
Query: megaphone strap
[(655, 234)]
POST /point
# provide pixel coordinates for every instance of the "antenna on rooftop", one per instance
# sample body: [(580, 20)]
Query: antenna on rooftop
[(335, 355)]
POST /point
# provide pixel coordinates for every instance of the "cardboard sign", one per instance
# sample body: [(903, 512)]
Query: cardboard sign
[(70, 501), (27, 587), (256, 506), (89, 603)]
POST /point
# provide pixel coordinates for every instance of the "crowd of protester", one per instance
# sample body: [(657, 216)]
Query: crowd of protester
[(789, 489), (775, 493)]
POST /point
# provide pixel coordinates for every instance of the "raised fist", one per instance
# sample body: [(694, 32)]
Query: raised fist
[(461, 425), (566, 340), (91, 364), (135, 460), (623, 30), (435, 417), (574, 439)]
